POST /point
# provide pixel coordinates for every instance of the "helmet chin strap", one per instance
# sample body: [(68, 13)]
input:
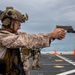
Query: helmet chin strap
[(12, 26)]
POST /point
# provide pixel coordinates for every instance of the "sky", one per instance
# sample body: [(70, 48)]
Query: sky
[(44, 15)]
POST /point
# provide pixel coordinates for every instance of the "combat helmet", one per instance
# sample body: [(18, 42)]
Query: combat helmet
[(13, 14)]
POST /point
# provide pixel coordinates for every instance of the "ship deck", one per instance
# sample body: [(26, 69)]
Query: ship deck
[(50, 64)]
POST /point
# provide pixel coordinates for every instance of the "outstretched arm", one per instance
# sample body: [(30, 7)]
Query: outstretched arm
[(31, 40)]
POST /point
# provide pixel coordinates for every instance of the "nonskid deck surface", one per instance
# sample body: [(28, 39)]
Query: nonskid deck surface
[(69, 57), (51, 64)]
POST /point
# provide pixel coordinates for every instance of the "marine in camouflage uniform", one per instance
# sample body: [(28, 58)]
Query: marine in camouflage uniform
[(26, 55), (11, 40)]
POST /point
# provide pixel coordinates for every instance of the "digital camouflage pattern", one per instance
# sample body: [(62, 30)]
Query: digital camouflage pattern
[(29, 41)]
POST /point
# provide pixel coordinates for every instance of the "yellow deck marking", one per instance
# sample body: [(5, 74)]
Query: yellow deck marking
[(59, 66), (58, 60)]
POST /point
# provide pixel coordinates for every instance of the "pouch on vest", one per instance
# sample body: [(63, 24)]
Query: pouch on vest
[(2, 67), (25, 51)]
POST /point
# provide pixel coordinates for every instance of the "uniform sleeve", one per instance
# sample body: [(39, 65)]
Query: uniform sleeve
[(26, 40)]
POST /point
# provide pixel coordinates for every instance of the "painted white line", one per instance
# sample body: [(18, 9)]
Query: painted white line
[(67, 72), (56, 64), (66, 60), (67, 53)]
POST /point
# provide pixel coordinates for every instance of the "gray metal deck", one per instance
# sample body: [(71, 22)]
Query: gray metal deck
[(55, 65)]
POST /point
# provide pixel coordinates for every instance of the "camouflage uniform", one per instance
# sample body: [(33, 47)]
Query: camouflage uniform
[(36, 59), (25, 59), (10, 40)]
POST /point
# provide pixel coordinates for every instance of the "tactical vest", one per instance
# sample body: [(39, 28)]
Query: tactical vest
[(12, 63), (25, 51), (8, 62)]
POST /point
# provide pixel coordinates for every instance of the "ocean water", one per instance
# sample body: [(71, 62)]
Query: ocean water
[(65, 45)]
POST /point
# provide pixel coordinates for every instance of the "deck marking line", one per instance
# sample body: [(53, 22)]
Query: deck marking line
[(66, 60), (67, 72), (55, 64)]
